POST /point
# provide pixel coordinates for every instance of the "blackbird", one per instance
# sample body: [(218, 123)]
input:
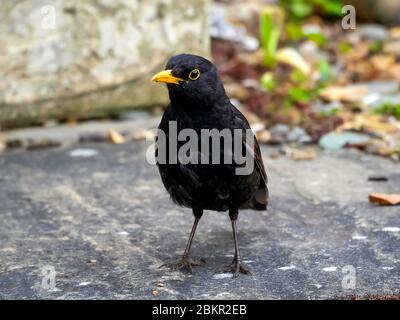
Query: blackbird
[(198, 101)]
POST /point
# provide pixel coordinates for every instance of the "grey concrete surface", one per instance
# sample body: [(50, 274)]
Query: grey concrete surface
[(106, 225)]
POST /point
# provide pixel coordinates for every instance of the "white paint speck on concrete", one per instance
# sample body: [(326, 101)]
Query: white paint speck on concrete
[(84, 284), (220, 276), (123, 233), (356, 237), (84, 153), (248, 261), (391, 229), (329, 269), (387, 268), (287, 267)]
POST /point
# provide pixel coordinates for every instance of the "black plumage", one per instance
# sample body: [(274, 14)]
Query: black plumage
[(198, 101)]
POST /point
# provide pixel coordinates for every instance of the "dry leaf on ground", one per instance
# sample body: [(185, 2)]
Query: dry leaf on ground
[(294, 58), (384, 199), (347, 94), (115, 137), (299, 154)]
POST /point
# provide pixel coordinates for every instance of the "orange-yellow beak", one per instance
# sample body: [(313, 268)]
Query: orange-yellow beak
[(166, 77)]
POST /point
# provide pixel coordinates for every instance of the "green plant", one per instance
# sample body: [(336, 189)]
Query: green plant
[(271, 21), (325, 71), (345, 47), (388, 109), (375, 47), (301, 9), (267, 81), (300, 95)]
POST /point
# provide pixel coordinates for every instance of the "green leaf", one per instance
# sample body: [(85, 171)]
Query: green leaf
[(375, 47), (269, 35), (301, 9), (318, 38), (294, 31), (300, 95), (297, 76), (333, 8), (267, 81), (388, 109), (325, 71), (344, 47)]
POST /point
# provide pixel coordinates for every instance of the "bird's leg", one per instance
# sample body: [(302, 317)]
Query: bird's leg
[(187, 262), (236, 266)]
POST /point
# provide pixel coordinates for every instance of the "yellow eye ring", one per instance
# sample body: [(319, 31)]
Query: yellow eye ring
[(194, 74)]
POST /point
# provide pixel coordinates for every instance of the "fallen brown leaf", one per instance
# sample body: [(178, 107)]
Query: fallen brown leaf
[(383, 62), (145, 134), (292, 57), (394, 71), (263, 136), (347, 94), (115, 137), (373, 123), (299, 154), (395, 32), (384, 199), (236, 90)]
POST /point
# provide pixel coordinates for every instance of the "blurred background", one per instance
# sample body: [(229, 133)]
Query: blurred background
[(302, 71)]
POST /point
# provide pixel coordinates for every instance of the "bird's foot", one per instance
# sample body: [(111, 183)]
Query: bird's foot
[(237, 267), (186, 263)]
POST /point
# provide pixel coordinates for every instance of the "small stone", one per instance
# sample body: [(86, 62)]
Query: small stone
[(338, 140), (155, 292), (298, 134), (374, 32), (279, 133), (160, 285), (91, 262)]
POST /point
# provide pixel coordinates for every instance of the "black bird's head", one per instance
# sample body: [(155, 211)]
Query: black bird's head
[(192, 81)]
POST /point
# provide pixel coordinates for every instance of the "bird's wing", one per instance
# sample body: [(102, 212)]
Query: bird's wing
[(241, 122), (259, 161)]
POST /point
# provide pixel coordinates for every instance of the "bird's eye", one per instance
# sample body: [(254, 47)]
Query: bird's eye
[(194, 74)]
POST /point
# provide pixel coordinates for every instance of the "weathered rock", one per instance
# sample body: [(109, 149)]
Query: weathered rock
[(89, 58)]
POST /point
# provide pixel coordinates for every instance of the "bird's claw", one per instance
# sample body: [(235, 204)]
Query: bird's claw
[(236, 267), (186, 263)]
